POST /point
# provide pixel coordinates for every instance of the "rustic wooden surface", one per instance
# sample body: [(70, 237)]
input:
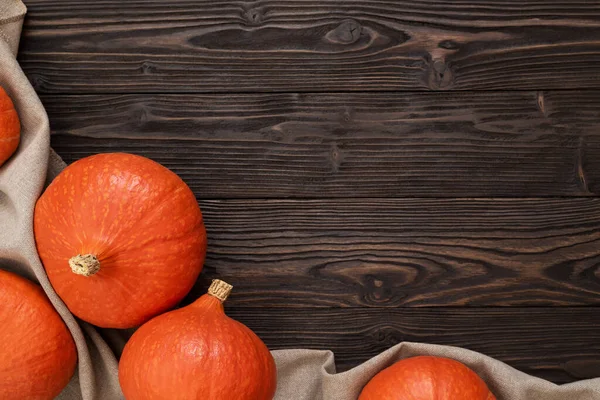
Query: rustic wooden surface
[(369, 171), (531, 143), (560, 344), (405, 252), (317, 45)]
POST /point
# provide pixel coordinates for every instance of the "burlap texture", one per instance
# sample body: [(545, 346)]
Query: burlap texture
[(302, 374)]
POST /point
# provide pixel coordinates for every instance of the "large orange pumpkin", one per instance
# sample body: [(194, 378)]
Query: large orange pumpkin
[(10, 127), (121, 238), (426, 378), (37, 353), (197, 353)]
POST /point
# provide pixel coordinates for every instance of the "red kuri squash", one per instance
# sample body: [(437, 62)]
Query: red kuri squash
[(121, 238), (426, 378), (197, 353), (37, 353), (10, 127)]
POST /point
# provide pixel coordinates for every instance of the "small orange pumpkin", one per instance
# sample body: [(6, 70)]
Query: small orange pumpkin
[(121, 238), (10, 127), (37, 353), (197, 352), (426, 378)]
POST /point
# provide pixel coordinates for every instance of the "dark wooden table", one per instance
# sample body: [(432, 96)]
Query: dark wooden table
[(370, 171)]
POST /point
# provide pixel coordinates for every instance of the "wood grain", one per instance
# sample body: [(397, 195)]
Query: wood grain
[(366, 254), (558, 344), (306, 46), (405, 252), (340, 145)]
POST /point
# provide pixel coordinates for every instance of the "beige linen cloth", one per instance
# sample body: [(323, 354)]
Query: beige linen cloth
[(302, 374)]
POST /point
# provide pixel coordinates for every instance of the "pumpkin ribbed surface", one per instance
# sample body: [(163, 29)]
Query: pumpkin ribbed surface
[(37, 353), (10, 127), (426, 378), (197, 353), (121, 238)]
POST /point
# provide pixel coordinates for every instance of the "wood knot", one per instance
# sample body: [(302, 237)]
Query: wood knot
[(439, 66), (377, 290), (541, 103), (253, 16), (148, 67), (448, 45), (440, 75), (347, 32), (336, 157), (387, 336), (347, 115), (141, 115), (580, 167), (36, 81)]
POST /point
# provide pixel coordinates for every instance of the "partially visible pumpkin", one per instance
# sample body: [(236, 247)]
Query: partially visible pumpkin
[(37, 353), (197, 353), (121, 238), (10, 127), (426, 378)]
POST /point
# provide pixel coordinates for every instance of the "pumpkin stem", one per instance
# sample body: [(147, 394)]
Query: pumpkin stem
[(220, 289), (84, 264)]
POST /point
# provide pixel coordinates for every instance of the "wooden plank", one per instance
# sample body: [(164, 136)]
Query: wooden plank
[(405, 252), (558, 344), (310, 45), (484, 144)]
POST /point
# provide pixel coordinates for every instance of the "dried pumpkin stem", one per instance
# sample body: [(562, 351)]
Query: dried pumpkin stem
[(220, 289), (84, 264)]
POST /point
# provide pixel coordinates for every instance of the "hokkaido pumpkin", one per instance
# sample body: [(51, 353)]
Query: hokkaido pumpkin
[(121, 238), (197, 353), (10, 127), (37, 353), (426, 378)]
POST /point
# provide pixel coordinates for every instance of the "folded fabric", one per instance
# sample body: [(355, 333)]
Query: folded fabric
[(22, 179), (310, 375)]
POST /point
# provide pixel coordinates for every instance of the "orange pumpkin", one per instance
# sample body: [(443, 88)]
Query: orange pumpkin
[(10, 127), (426, 378), (121, 238), (37, 353), (197, 352)]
